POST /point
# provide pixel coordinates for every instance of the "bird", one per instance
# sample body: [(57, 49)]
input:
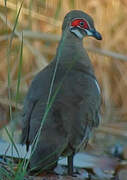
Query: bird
[(62, 105)]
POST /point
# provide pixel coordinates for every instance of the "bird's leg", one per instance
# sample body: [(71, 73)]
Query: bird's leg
[(70, 164)]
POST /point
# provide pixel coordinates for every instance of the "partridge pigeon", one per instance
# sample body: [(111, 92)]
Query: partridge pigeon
[(62, 105)]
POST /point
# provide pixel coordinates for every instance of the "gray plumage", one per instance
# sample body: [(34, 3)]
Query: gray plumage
[(75, 109)]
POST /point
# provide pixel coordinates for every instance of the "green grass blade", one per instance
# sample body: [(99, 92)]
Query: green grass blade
[(50, 99), (12, 141), (19, 70), (20, 173), (16, 20), (9, 72), (8, 57)]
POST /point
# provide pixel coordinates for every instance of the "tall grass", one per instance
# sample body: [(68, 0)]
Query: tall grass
[(4, 172)]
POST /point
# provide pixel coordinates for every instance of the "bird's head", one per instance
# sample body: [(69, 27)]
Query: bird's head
[(80, 24)]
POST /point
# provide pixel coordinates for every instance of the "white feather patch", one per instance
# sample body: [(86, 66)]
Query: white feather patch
[(98, 87), (89, 33), (77, 33)]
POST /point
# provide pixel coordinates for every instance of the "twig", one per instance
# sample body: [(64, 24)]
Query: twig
[(5, 37), (41, 35), (112, 131), (107, 53)]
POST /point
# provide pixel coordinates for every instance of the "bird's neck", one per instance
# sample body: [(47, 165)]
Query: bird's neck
[(71, 52)]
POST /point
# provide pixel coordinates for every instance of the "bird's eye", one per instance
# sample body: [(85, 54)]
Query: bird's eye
[(81, 23)]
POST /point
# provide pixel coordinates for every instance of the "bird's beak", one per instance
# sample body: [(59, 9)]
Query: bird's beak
[(94, 33)]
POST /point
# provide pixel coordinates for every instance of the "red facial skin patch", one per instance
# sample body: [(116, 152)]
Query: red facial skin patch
[(80, 23)]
